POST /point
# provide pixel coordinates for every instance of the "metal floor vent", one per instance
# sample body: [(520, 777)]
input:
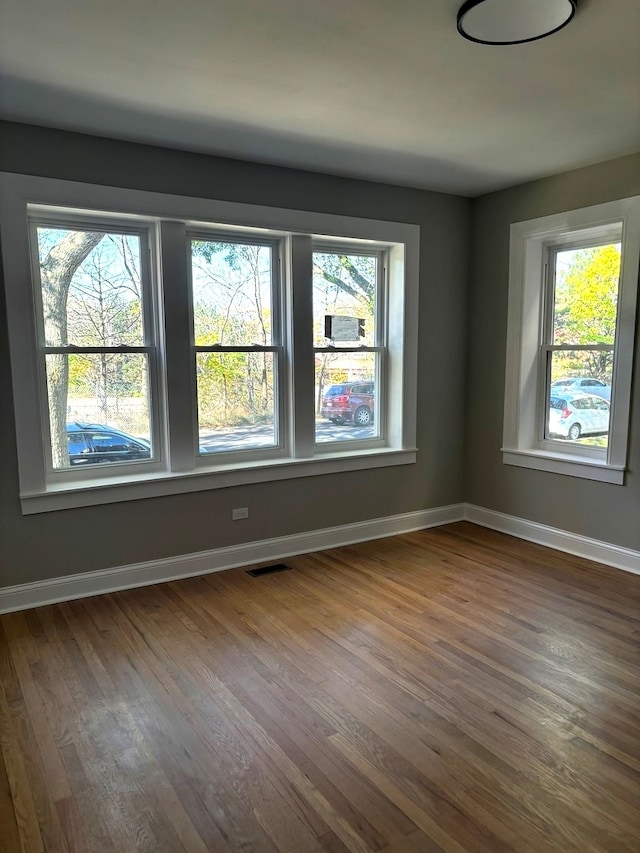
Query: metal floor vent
[(269, 570)]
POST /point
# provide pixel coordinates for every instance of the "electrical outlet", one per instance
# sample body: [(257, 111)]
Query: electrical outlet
[(240, 512)]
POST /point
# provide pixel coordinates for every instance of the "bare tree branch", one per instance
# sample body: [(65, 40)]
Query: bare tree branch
[(56, 273)]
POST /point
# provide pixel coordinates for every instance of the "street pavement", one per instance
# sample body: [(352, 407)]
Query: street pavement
[(247, 437)]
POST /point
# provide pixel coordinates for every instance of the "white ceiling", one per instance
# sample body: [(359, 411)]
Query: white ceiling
[(380, 89)]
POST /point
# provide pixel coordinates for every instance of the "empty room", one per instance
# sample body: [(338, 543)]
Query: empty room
[(319, 426)]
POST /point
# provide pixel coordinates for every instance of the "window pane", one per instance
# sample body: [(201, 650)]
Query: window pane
[(346, 387), (588, 371), (579, 396), (586, 295), (231, 293), (91, 288), (344, 286), (236, 408), (98, 408)]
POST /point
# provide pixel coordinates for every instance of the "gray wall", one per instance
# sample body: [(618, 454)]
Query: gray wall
[(65, 542), (600, 510)]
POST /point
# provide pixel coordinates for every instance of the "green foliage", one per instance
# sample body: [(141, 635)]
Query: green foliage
[(235, 388), (586, 310), (231, 253), (587, 297)]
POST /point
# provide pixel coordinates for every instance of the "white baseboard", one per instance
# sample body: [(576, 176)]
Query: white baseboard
[(572, 543), (25, 596)]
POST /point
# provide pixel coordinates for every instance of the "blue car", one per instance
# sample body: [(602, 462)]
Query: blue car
[(90, 444)]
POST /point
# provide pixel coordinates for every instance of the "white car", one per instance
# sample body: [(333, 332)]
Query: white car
[(583, 384), (574, 415)]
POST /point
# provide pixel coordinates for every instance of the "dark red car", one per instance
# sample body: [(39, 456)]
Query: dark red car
[(349, 402)]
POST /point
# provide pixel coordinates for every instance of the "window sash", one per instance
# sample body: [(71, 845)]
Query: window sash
[(382, 281), (280, 446), (331, 349), (549, 297), (151, 320), (243, 239), (252, 348), (113, 469), (380, 410), (544, 384), (72, 349)]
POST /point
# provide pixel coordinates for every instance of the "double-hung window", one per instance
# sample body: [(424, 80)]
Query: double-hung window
[(572, 302), (236, 298), (96, 343), (349, 333), (163, 344)]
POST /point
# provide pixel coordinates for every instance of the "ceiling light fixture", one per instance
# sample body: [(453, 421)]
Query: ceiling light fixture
[(513, 21)]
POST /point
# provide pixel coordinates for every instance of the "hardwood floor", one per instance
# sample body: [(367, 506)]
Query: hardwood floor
[(453, 689)]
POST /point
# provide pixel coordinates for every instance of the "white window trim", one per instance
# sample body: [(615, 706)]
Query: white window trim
[(402, 241), (529, 242)]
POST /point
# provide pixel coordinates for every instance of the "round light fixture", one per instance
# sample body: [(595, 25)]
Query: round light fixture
[(513, 21)]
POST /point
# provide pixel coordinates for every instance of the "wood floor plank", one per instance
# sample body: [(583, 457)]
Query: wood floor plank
[(451, 690), (18, 794), (185, 745)]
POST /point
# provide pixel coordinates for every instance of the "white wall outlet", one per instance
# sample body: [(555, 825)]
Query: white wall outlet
[(239, 512)]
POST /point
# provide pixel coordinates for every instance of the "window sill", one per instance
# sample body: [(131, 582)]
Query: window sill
[(564, 463), (111, 490)]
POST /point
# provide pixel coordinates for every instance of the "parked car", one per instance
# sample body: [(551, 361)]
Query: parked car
[(90, 444), (574, 415), (349, 402), (584, 384)]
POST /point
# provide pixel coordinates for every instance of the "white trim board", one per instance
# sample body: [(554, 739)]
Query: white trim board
[(25, 596), (38, 593), (572, 543)]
